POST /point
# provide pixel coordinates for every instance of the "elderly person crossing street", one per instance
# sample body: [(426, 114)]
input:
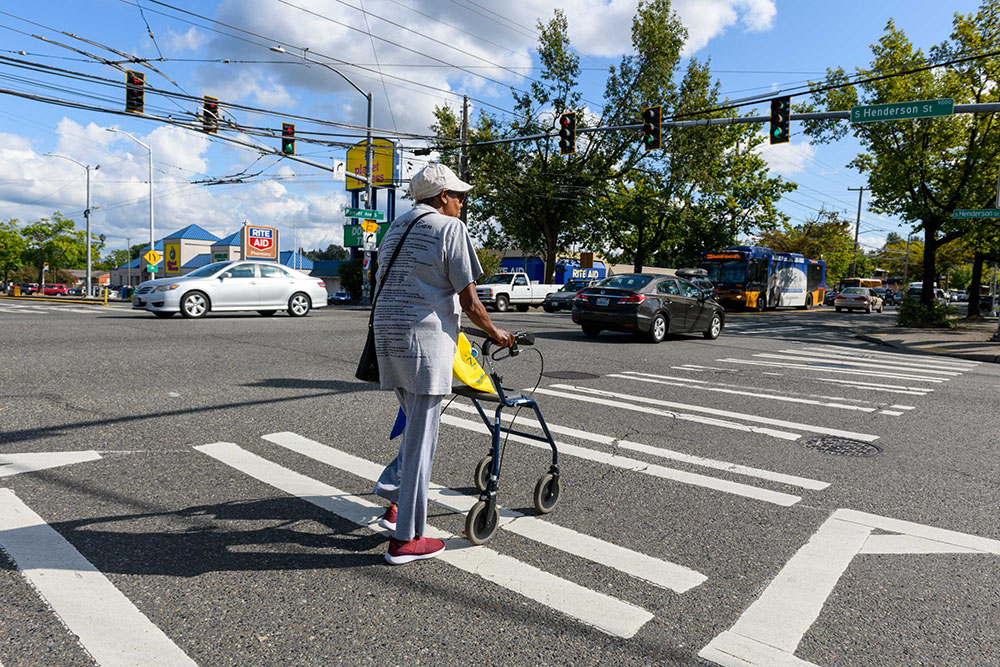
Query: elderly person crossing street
[(423, 293)]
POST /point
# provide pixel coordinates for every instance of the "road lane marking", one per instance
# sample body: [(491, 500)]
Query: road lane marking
[(772, 627), (693, 367), (635, 465), (892, 413), (768, 330), (885, 363), (824, 369), (653, 570), (734, 468), (893, 388), (15, 464), (894, 355), (647, 377), (110, 628), (812, 428), (607, 614), (889, 366)]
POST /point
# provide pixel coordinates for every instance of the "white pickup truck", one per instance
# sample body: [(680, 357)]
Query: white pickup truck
[(513, 289)]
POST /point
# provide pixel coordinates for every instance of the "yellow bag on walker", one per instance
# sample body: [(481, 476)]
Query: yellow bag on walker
[(466, 369)]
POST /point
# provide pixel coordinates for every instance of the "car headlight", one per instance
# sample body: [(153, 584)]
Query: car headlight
[(165, 288)]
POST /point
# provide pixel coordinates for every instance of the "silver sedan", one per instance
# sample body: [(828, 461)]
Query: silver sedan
[(229, 286)]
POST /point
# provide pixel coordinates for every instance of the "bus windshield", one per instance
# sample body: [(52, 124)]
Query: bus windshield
[(730, 271)]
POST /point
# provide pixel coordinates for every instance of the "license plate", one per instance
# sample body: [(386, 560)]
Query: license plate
[(601, 301)]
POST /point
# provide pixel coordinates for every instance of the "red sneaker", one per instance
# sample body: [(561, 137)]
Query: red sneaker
[(419, 548), (388, 520)]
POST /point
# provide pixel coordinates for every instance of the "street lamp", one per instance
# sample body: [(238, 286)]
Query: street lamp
[(146, 146), (369, 149), (86, 211)]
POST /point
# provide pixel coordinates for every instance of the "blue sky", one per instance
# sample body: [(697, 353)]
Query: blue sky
[(754, 46)]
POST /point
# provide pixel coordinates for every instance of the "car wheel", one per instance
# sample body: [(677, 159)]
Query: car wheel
[(657, 328), (548, 309), (162, 314), (809, 303), (868, 308), (299, 305), (522, 307), (761, 302), (839, 309), (501, 304), (881, 307), (266, 313), (194, 305), (591, 331), (713, 331)]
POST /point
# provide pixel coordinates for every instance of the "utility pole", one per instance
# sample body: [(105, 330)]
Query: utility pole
[(86, 213), (128, 254), (857, 228), (464, 168)]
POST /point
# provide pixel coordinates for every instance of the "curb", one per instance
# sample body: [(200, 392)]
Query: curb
[(49, 299), (986, 358)]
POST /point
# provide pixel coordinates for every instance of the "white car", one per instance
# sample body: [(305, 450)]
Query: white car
[(236, 285)]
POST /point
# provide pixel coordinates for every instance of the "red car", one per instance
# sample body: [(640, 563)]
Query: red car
[(53, 290)]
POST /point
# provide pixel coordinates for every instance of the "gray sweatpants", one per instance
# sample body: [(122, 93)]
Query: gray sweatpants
[(406, 479)]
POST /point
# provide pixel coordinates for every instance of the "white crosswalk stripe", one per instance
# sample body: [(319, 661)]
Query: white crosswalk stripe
[(608, 614), (828, 369), (658, 572), (111, 629)]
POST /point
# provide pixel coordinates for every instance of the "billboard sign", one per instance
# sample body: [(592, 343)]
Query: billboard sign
[(172, 252), (259, 242), (383, 164)]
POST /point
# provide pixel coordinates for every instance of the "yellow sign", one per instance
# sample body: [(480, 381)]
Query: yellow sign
[(152, 257), (369, 226), (173, 253), (383, 164)]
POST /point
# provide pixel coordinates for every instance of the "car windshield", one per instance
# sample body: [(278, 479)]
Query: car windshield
[(855, 290), (498, 279), (625, 282), (732, 271), (208, 270)]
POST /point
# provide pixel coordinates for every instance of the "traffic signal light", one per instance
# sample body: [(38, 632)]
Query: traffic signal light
[(210, 114), (652, 117), (135, 91), (567, 133), (288, 139), (781, 109)]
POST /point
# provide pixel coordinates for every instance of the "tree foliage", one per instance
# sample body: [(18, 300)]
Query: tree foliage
[(924, 169), (12, 247), (826, 236)]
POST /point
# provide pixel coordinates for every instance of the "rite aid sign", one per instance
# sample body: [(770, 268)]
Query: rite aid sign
[(259, 242)]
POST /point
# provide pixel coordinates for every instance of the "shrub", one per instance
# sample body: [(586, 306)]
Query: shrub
[(913, 313)]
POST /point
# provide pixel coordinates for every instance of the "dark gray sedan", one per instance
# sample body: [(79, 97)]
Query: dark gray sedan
[(647, 305), (563, 299)]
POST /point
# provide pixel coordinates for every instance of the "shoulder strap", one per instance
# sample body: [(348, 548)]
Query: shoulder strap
[(395, 252)]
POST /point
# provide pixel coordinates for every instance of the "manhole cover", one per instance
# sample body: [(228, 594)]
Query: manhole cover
[(841, 446), (570, 375)]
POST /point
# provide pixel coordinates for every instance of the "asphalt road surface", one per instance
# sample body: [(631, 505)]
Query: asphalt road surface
[(199, 492)]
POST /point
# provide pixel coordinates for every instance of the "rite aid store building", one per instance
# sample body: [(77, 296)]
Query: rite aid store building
[(192, 247)]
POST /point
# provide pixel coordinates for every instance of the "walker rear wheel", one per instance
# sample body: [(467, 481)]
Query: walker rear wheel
[(546, 493), (479, 525), (483, 470)]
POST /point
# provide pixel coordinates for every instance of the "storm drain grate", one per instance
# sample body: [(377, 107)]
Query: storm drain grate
[(570, 375), (841, 446)]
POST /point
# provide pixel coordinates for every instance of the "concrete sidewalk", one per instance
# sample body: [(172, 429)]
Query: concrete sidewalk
[(972, 340)]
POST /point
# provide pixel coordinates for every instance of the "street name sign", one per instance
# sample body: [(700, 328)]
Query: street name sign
[(152, 257), (903, 110), (965, 213), (364, 214)]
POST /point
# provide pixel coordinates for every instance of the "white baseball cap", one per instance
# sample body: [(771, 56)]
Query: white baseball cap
[(433, 179)]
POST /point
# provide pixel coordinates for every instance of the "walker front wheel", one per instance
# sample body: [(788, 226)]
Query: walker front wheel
[(480, 524), (483, 471), (546, 493)]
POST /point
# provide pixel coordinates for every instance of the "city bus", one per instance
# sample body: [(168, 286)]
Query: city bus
[(760, 278)]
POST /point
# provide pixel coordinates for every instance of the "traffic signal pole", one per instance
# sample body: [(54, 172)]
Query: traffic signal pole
[(857, 227)]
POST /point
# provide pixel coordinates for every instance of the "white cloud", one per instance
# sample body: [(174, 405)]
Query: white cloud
[(787, 159), (707, 19), (174, 42)]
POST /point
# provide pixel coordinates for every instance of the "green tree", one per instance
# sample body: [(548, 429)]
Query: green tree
[(351, 277), (56, 241), (113, 260), (489, 260), (332, 252), (12, 247), (923, 169), (826, 236)]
